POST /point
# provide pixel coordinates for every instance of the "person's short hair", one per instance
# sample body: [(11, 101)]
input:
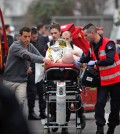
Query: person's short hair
[(7, 26), (90, 27), (56, 26), (47, 27), (24, 29), (39, 26), (34, 30), (67, 32), (16, 36)]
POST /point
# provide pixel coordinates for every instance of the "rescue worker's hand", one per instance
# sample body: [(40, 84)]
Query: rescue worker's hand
[(77, 63), (92, 63), (84, 65), (29, 71), (46, 60)]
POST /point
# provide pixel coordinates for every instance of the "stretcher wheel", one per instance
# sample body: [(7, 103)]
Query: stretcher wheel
[(78, 131), (46, 130), (54, 129)]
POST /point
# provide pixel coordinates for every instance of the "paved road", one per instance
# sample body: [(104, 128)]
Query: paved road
[(36, 127)]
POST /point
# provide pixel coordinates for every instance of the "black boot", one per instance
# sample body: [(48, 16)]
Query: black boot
[(111, 130), (33, 116), (100, 130), (83, 121)]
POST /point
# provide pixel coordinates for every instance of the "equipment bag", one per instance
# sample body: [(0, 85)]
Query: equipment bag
[(90, 77)]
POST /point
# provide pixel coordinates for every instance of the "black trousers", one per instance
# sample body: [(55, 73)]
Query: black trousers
[(33, 90), (102, 95)]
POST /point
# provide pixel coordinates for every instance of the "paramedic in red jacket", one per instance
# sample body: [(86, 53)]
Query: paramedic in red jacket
[(103, 54)]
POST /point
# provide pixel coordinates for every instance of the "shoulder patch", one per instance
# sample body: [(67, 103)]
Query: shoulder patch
[(109, 47)]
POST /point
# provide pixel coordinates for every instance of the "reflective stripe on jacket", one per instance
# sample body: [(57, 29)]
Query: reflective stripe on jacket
[(108, 74)]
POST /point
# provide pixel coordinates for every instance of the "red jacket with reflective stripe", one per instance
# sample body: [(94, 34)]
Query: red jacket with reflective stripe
[(108, 74)]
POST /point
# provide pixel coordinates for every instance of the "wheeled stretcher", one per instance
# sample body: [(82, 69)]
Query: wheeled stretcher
[(61, 87)]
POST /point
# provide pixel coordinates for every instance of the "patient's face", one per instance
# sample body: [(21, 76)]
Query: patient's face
[(55, 33)]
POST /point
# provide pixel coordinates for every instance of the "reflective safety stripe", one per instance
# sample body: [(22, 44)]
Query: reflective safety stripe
[(110, 76), (1, 64), (90, 50), (102, 53), (88, 105), (109, 67)]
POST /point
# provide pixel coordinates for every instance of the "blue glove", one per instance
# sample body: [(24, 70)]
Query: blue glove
[(91, 63), (77, 63)]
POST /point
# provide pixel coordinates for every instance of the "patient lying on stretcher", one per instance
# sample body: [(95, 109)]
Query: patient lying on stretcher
[(62, 52)]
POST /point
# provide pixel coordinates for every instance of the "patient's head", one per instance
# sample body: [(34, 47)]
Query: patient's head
[(68, 58)]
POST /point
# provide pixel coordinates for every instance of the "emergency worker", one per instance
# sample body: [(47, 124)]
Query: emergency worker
[(20, 54), (104, 55), (33, 88)]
